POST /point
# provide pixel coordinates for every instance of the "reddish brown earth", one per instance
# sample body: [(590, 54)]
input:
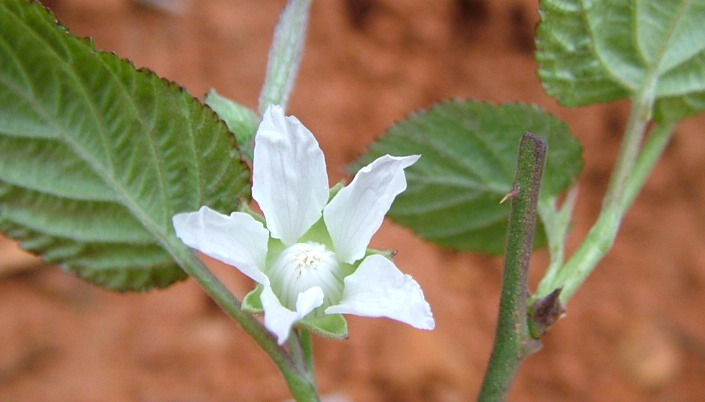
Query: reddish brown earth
[(635, 332)]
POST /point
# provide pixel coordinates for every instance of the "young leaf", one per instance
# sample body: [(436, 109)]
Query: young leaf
[(285, 54), (96, 156), (599, 51), (468, 155)]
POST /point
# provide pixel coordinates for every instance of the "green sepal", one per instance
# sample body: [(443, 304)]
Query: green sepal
[(388, 254), (334, 190), (241, 120), (245, 208), (333, 326), (318, 233), (252, 302)]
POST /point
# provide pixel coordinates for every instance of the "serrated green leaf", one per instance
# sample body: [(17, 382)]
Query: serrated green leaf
[(598, 51), (97, 156), (241, 120), (468, 154)]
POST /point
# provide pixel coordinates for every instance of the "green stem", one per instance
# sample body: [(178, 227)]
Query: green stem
[(298, 382), (650, 155), (513, 342), (307, 346), (301, 348), (556, 223), (602, 235), (632, 169)]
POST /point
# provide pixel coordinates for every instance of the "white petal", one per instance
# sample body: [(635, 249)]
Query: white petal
[(357, 211), (280, 319), (378, 289), (237, 240), (290, 182)]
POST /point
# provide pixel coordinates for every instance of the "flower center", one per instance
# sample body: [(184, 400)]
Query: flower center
[(310, 255), (303, 266)]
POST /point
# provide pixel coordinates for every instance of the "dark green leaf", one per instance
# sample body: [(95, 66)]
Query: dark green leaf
[(96, 156), (598, 51), (468, 153)]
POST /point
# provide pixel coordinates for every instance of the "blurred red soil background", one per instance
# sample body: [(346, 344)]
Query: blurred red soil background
[(634, 332)]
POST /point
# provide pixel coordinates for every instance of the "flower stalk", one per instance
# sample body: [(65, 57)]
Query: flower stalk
[(298, 381)]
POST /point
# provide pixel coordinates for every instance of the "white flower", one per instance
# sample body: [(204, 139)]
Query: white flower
[(311, 259)]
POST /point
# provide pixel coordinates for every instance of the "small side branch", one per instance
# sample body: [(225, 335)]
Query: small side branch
[(513, 341)]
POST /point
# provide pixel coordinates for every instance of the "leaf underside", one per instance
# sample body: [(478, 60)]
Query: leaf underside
[(468, 156), (598, 51), (97, 156)]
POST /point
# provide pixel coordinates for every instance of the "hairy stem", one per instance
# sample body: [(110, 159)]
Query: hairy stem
[(556, 222), (301, 348), (513, 342), (307, 346), (633, 168), (298, 382), (602, 235)]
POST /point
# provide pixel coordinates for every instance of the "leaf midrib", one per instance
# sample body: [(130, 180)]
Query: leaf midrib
[(605, 66), (684, 4), (651, 68)]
